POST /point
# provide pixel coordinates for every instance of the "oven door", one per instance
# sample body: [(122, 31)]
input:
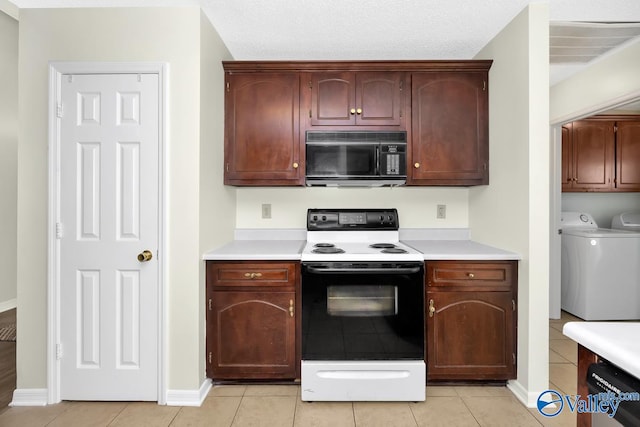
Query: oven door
[(362, 311)]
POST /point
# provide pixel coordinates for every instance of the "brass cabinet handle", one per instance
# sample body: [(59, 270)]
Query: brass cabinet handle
[(295, 165), (291, 307), (432, 309), (252, 275), (471, 275), (416, 165), (145, 256), (352, 111), (359, 111)]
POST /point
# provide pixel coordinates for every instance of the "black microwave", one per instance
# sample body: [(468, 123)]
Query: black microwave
[(356, 158)]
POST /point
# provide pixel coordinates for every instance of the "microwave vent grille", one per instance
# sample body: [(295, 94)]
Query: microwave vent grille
[(356, 136)]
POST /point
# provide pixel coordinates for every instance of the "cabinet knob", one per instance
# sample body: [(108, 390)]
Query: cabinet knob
[(432, 309), (295, 165), (359, 111), (252, 275), (416, 165), (352, 111), (471, 275)]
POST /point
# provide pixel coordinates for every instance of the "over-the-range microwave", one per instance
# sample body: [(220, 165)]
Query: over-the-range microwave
[(356, 158)]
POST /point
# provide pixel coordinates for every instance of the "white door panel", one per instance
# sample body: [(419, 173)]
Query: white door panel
[(109, 187)]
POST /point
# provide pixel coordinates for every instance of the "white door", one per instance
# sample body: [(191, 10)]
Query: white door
[(109, 184)]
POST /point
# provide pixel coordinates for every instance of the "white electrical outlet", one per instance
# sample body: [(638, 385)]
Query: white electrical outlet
[(441, 212), (266, 211)]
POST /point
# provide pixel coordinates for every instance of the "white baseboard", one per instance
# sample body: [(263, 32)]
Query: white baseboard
[(8, 305), (189, 397), (528, 398), (39, 396), (30, 397)]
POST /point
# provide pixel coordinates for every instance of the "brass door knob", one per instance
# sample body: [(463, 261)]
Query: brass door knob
[(145, 256), (359, 111), (352, 111), (295, 165), (416, 165)]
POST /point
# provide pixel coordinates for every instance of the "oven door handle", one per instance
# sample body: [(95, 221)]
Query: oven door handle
[(328, 270)]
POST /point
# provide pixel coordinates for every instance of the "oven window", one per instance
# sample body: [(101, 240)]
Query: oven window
[(362, 301), (343, 160)]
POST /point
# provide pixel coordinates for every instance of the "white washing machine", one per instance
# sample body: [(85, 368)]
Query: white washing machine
[(629, 221), (600, 277)]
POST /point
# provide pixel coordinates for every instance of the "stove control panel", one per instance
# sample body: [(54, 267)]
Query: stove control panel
[(352, 219)]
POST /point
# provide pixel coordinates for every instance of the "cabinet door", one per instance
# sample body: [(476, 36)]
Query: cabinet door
[(333, 99), (356, 99), (253, 335), (628, 156), (262, 139), (593, 155), (470, 335), (567, 157), (450, 131), (379, 99)]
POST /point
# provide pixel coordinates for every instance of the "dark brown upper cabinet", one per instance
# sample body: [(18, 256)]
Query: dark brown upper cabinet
[(601, 154), (442, 105), (355, 98), (450, 129), (262, 133)]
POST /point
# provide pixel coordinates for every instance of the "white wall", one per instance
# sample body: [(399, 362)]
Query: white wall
[(217, 202), (170, 35), (513, 211), (416, 205), (8, 158), (601, 86)]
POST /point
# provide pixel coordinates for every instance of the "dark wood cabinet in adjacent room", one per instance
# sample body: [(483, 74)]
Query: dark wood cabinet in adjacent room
[(449, 128), (262, 133), (471, 318), (588, 155), (601, 154), (354, 98), (252, 312)]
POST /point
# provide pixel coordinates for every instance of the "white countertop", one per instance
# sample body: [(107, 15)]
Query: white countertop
[(257, 250), (287, 244), (616, 342), (459, 250)]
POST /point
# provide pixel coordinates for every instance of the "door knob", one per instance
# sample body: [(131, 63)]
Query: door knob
[(359, 111), (416, 165), (145, 256), (352, 111)]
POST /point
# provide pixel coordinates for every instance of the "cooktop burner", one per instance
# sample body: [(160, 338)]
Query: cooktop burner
[(393, 250), (324, 245), (327, 250), (382, 245)]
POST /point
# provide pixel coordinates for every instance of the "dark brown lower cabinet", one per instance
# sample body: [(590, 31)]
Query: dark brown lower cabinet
[(251, 320), (471, 320)]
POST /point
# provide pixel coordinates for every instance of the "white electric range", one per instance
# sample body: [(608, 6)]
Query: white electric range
[(362, 309)]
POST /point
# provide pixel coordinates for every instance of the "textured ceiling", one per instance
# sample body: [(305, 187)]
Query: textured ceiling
[(369, 29)]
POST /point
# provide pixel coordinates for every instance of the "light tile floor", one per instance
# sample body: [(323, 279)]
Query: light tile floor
[(278, 405)]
